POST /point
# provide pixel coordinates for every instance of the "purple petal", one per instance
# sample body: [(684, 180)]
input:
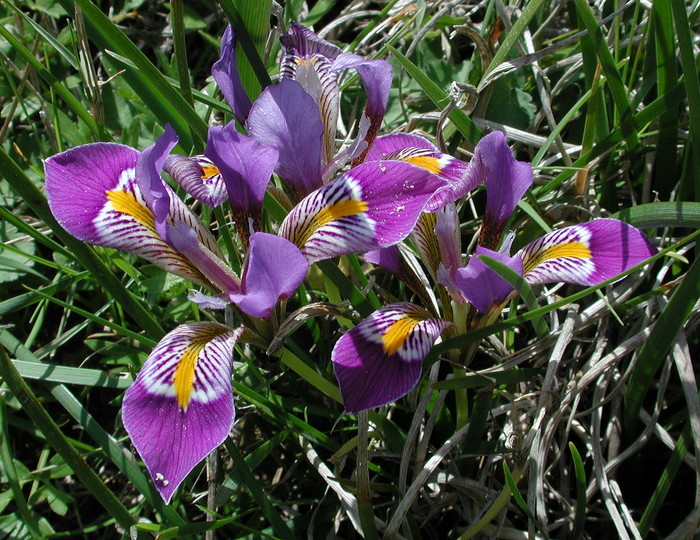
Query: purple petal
[(507, 180), (93, 193), (585, 254), (199, 177), (300, 42), (379, 360), (180, 407), (449, 237), (421, 152), (483, 287), (225, 73), (274, 269), (245, 165), (388, 258), (374, 205), (287, 118)]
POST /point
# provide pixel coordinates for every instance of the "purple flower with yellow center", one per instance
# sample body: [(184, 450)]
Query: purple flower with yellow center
[(180, 406), (380, 359)]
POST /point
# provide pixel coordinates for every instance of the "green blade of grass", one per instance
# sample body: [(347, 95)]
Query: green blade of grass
[(521, 502), (177, 15), (71, 375), (656, 347), (58, 441), (662, 214), (692, 85), (614, 79), (580, 474), (461, 121), (496, 378), (83, 253)]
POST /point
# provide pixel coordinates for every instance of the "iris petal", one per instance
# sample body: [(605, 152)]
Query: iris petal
[(374, 205), (180, 407), (199, 177), (225, 73), (585, 254), (379, 360), (93, 193)]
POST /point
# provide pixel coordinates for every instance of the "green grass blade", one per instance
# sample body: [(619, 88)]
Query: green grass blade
[(58, 441), (692, 85), (580, 474), (520, 501), (662, 214), (653, 352), (614, 79), (71, 375), (177, 14), (496, 378), (461, 121)]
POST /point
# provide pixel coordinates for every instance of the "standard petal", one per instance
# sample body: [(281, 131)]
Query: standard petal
[(93, 193), (379, 360), (506, 179), (274, 269), (287, 118), (376, 76), (180, 407), (300, 42), (374, 205), (482, 286), (388, 258), (585, 254), (245, 165), (225, 73), (199, 177)]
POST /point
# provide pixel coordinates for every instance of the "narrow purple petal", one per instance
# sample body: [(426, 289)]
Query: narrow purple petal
[(225, 73), (374, 205), (274, 269), (245, 165), (180, 407), (302, 42), (199, 177), (379, 360), (155, 191), (449, 236), (388, 144), (585, 254), (287, 118), (388, 258), (93, 193), (376, 76), (507, 180), (482, 286)]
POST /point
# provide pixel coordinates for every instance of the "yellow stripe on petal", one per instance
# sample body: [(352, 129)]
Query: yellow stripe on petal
[(125, 202), (328, 214), (396, 335), (185, 373), (576, 250), (429, 163)]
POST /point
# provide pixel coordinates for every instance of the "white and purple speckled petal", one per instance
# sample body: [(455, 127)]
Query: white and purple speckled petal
[(371, 206), (585, 254), (180, 407), (379, 360)]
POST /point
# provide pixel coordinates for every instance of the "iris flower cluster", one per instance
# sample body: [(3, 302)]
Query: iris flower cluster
[(180, 407)]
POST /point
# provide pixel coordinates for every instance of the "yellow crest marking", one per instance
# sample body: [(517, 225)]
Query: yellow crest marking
[(184, 377), (208, 171), (431, 164), (334, 212), (125, 202), (397, 334), (576, 250)]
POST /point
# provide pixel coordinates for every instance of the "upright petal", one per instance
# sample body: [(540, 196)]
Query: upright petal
[(245, 165), (483, 287), (93, 193), (273, 270), (507, 180), (379, 360), (374, 205), (225, 73), (287, 118), (180, 407), (307, 59), (199, 177), (585, 254)]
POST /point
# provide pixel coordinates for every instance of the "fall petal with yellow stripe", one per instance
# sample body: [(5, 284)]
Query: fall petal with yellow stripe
[(180, 407), (380, 360)]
